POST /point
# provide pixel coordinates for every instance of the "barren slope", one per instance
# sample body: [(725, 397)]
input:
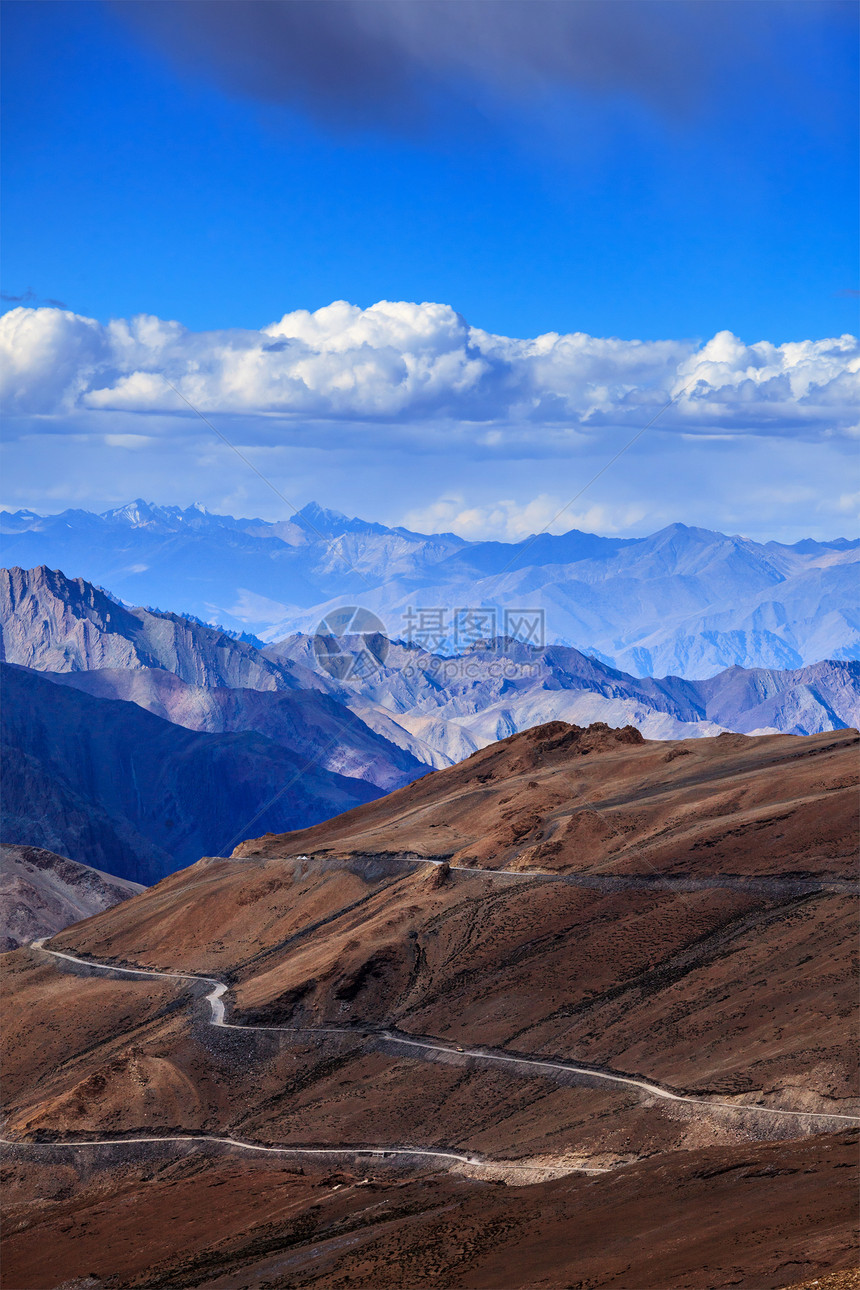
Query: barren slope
[(676, 977), (41, 893), (758, 1217)]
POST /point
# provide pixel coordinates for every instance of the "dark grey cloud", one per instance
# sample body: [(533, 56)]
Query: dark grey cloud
[(29, 297), (391, 62)]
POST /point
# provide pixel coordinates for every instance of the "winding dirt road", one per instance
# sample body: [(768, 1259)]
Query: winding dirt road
[(599, 880), (435, 1048), (244, 1144)]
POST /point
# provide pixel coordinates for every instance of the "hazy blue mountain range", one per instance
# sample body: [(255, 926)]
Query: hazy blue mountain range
[(455, 705), (683, 601), (415, 707)]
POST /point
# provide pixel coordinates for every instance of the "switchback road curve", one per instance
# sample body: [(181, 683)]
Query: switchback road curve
[(434, 1048)]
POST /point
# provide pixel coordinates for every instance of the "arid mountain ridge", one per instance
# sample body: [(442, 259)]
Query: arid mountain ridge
[(560, 799), (683, 601), (576, 950)]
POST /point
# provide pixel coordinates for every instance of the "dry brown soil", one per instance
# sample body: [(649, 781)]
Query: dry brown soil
[(739, 985)]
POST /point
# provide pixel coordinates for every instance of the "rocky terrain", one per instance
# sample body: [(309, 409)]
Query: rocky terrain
[(57, 624), (453, 706), (275, 726), (757, 1217), (608, 981), (41, 893)]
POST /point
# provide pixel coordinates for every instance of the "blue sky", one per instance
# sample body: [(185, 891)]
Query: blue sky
[(137, 184), (661, 171)]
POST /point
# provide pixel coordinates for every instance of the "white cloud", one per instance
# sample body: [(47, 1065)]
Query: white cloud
[(509, 521), (848, 505), (251, 607), (48, 357), (137, 442), (403, 365), (772, 387)]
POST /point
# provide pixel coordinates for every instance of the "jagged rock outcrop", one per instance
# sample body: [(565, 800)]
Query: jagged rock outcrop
[(59, 624)]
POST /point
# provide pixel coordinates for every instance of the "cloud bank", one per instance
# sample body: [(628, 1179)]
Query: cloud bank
[(412, 366)]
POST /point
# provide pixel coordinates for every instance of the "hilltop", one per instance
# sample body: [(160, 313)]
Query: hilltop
[(562, 799)]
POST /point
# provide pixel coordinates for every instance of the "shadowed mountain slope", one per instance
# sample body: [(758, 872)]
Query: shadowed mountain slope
[(747, 1216), (308, 723), (107, 783)]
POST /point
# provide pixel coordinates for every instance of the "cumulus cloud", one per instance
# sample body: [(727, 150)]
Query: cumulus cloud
[(49, 357), (774, 386), (421, 368)]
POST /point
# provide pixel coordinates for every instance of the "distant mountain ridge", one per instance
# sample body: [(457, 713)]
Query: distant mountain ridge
[(459, 705), (414, 707), (683, 601), (63, 624)]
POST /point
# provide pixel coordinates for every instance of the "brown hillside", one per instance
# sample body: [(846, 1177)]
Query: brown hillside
[(694, 930), (565, 799)]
